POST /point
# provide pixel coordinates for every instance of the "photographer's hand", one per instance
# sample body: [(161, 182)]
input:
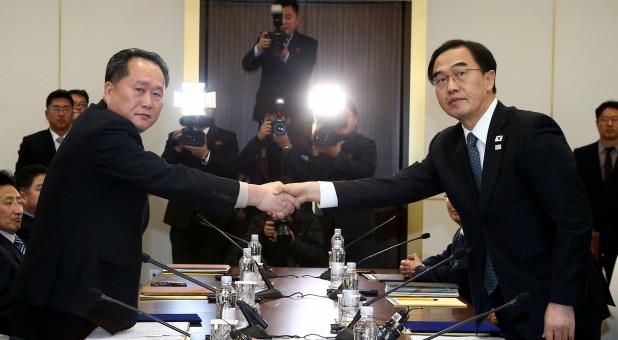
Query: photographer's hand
[(283, 141), (176, 136), (200, 152), (264, 43), (332, 151), (269, 231), (266, 129)]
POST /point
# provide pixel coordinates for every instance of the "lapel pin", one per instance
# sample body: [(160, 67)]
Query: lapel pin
[(498, 138), (498, 146)]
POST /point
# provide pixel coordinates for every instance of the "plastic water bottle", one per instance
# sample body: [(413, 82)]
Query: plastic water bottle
[(337, 236), (350, 279), (226, 300), (256, 248), (337, 262), (247, 266), (366, 328)]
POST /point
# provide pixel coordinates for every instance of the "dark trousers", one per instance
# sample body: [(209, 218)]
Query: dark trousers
[(32, 323)]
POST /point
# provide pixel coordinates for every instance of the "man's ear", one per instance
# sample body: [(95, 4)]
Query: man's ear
[(23, 195), (108, 88)]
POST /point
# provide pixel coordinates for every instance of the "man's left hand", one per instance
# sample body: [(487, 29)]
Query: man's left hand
[(197, 151), (559, 322)]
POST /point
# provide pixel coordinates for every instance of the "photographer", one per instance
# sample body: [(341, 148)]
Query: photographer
[(353, 156), (296, 241), (286, 65), (191, 242)]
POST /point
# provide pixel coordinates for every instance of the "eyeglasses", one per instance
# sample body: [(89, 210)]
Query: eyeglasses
[(606, 119), (58, 109), (80, 104), (459, 75)]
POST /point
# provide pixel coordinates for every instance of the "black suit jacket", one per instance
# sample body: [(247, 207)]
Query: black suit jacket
[(26, 228), (531, 214), (10, 260), (37, 148), (223, 162), (104, 175), (289, 80)]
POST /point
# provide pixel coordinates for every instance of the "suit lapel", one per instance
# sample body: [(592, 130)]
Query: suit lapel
[(460, 160), (4, 242), (495, 144)]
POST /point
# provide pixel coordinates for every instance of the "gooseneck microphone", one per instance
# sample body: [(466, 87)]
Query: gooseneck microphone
[(147, 259), (347, 333), (201, 220), (519, 298), (256, 326), (98, 295), (326, 274)]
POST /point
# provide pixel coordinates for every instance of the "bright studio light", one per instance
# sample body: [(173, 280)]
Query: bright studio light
[(326, 100), (193, 100)]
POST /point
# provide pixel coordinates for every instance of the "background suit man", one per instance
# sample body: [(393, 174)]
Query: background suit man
[(29, 181), (192, 242), (40, 147), (104, 174), (287, 73), (596, 164), (523, 207)]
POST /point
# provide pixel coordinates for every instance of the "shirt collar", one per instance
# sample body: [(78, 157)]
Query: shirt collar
[(10, 237), (481, 129)]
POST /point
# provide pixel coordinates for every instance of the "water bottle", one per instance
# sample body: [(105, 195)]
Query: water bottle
[(337, 262), (366, 328), (350, 279), (247, 266), (226, 300), (350, 297), (256, 248), (336, 236)]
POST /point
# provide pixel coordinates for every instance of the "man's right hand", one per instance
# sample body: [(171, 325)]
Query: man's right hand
[(269, 231), (264, 43), (176, 136), (407, 266), (266, 129)]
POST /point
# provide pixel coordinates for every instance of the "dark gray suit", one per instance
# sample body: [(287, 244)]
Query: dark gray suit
[(532, 214)]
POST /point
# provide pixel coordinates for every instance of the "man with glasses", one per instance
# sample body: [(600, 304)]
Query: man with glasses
[(40, 147), (596, 165), (523, 208), (80, 101)]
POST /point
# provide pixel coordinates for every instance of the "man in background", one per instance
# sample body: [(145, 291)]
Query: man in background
[(80, 101), (40, 147), (191, 241), (596, 164), (285, 69), (29, 181)]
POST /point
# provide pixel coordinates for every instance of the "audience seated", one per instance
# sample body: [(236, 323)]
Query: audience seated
[(80, 101), (29, 182)]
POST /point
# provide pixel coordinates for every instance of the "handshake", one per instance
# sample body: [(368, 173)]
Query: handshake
[(280, 200)]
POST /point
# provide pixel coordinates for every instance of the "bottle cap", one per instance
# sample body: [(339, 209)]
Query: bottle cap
[(351, 265), (337, 243), (337, 231), (366, 310), (255, 237), (226, 279), (246, 251)]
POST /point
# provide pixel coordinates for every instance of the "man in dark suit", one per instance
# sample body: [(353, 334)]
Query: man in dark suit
[(524, 211), (93, 208), (10, 252), (286, 73), (192, 242), (596, 164), (40, 147), (353, 156), (29, 181)]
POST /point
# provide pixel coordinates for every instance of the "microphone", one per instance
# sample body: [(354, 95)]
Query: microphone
[(257, 324), (394, 326), (147, 259), (519, 298), (333, 294), (326, 274), (201, 220), (270, 291), (98, 295), (347, 332)]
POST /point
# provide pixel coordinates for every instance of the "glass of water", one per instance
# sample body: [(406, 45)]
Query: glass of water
[(349, 303), (219, 329), (246, 292)]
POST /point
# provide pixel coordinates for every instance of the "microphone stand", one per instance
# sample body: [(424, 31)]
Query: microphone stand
[(348, 334), (257, 324), (513, 302), (202, 221), (333, 294), (326, 274)]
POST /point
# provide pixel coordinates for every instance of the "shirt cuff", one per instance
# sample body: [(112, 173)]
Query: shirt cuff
[(328, 195), (243, 195), (206, 159), (285, 60), (256, 52)]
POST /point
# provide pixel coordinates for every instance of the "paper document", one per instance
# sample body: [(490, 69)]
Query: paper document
[(144, 330)]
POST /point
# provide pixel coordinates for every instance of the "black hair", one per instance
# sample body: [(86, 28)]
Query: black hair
[(6, 178), (82, 93), (286, 3), (481, 55), (25, 176), (610, 103), (58, 94), (117, 66)]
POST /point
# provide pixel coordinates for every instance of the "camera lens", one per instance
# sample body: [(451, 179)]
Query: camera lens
[(279, 127)]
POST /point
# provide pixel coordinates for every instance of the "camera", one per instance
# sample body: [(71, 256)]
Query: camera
[(190, 136), (279, 126), (327, 134), (284, 232), (278, 37)]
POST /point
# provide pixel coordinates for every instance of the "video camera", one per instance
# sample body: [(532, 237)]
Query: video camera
[(327, 134), (278, 37), (190, 136)]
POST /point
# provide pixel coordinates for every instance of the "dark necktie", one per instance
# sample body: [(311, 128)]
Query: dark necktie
[(490, 282), (20, 245), (608, 168)]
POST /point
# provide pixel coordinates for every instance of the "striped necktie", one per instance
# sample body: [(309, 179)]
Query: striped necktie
[(20, 245)]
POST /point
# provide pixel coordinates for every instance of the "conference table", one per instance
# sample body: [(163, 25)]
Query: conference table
[(311, 313)]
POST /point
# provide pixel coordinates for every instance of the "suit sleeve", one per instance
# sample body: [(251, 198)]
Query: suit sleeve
[(23, 155), (250, 62), (169, 153)]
